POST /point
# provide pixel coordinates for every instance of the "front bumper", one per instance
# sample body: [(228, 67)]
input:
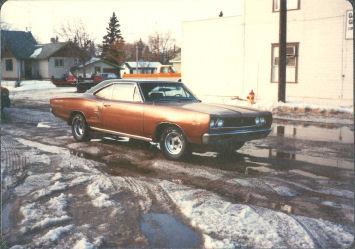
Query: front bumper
[(230, 137)]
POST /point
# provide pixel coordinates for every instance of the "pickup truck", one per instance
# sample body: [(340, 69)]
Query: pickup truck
[(165, 73)]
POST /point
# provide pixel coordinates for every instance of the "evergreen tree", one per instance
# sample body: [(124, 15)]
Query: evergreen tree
[(113, 42)]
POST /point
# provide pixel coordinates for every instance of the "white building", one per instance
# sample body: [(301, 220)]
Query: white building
[(229, 56), (144, 67)]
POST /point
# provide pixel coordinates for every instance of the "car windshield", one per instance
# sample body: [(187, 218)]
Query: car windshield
[(166, 91)]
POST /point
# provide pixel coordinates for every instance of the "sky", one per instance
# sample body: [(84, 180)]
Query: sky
[(138, 18)]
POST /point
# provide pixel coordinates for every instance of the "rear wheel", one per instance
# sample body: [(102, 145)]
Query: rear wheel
[(80, 129), (174, 144)]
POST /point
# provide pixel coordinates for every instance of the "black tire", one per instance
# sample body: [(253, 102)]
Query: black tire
[(80, 129), (174, 144)]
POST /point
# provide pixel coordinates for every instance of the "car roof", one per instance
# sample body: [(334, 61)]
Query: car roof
[(106, 82)]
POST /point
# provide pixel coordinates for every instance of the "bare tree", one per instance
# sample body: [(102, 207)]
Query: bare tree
[(81, 44), (163, 45)]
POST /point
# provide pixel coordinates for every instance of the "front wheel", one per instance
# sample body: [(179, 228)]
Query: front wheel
[(80, 129), (174, 144)]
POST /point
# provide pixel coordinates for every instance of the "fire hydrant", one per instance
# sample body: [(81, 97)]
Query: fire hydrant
[(251, 97)]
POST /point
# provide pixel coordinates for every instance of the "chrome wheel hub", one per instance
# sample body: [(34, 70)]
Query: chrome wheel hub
[(173, 143), (79, 127)]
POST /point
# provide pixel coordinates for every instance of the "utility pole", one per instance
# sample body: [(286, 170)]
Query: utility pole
[(353, 4), (136, 59), (282, 51)]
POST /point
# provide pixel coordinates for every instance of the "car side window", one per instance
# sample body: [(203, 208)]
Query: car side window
[(126, 92), (105, 93)]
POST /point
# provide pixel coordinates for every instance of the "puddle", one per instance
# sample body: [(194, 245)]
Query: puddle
[(314, 133), (5, 215), (164, 231), (276, 154)]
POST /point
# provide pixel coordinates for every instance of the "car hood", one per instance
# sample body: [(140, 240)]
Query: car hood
[(216, 109)]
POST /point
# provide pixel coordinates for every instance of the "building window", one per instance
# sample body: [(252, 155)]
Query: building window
[(291, 5), (59, 63), (97, 70), (76, 61), (291, 62), (9, 65)]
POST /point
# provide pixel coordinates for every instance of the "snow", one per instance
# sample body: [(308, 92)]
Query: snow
[(27, 85), (43, 147), (43, 125), (37, 215), (241, 225), (54, 235), (36, 52), (33, 182), (269, 105), (100, 199), (83, 244)]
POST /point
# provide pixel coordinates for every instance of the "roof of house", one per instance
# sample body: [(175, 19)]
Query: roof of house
[(21, 44), (44, 51), (96, 59), (143, 64)]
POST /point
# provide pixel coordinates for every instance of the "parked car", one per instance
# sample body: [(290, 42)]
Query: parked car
[(162, 112), (5, 99), (85, 84)]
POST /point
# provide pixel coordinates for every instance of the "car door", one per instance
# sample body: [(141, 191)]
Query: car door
[(103, 98), (124, 113)]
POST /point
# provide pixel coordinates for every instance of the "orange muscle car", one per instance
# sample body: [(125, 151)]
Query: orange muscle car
[(162, 112)]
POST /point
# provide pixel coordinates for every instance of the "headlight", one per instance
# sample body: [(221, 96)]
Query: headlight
[(262, 120), (219, 123), (212, 123), (257, 120)]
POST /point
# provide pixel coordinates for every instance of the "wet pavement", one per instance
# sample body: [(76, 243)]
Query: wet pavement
[(300, 169)]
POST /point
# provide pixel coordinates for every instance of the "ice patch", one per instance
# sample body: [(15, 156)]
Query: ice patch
[(304, 173), (33, 182), (281, 190), (53, 235), (43, 125), (172, 167), (43, 147), (242, 182)]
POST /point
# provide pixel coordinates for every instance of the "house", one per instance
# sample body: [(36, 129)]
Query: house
[(95, 66), (176, 63), (16, 49), (145, 67), (22, 58), (52, 60), (243, 52)]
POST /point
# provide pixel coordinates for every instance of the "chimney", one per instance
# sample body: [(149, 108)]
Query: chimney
[(52, 40)]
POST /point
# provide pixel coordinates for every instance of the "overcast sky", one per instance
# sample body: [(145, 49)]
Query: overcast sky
[(138, 18)]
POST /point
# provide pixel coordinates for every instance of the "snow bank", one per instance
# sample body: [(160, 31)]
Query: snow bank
[(28, 85), (251, 226), (269, 105)]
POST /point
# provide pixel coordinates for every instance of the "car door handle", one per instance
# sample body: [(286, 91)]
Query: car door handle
[(107, 105)]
